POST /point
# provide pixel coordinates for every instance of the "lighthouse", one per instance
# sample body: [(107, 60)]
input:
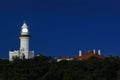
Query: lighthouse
[(24, 41), (23, 52)]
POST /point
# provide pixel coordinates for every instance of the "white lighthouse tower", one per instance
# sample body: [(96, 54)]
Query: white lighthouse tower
[(24, 41), (24, 45)]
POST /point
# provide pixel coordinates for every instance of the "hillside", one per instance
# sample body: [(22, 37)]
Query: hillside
[(46, 68)]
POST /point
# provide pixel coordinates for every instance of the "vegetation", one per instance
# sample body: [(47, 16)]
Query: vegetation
[(46, 68)]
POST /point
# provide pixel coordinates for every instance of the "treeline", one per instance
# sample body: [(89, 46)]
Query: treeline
[(46, 68)]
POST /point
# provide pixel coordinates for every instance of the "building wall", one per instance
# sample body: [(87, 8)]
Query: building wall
[(13, 54), (24, 43)]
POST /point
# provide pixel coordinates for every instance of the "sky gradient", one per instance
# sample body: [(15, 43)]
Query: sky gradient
[(61, 27)]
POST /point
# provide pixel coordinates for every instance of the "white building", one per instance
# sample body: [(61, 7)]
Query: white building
[(24, 45)]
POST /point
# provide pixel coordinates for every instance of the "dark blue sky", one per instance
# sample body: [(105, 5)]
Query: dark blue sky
[(61, 27)]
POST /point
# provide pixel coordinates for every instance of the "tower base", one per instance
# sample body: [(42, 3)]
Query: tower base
[(20, 55)]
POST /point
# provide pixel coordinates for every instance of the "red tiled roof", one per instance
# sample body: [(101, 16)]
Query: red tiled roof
[(84, 56), (90, 54)]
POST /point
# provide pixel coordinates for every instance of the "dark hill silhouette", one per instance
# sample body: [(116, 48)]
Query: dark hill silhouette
[(46, 68)]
